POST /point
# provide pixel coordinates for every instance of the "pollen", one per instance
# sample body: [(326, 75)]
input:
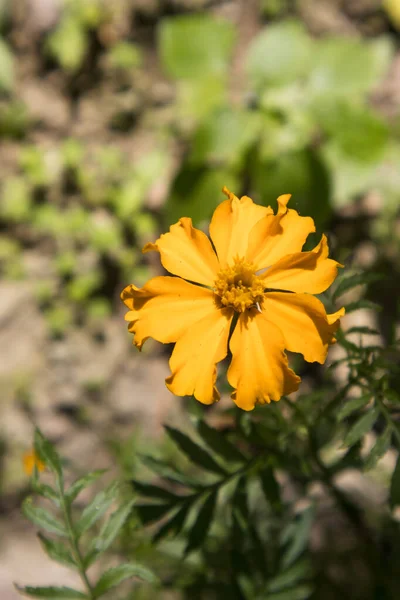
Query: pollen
[(238, 286)]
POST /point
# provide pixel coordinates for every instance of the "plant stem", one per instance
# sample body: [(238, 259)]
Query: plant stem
[(66, 511)]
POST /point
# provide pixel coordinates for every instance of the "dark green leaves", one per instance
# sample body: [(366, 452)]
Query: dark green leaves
[(395, 485), (361, 427), (199, 530), (117, 575), (352, 281), (219, 443), (194, 453)]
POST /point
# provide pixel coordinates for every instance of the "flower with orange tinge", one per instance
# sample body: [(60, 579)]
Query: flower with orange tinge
[(30, 460), (249, 290)]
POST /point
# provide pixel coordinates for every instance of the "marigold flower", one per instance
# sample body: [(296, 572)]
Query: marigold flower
[(30, 460), (252, 294)]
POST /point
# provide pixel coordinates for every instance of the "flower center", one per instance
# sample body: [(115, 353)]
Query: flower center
[(238, 286)]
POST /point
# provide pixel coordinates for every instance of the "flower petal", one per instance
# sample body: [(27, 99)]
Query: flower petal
[(259, 370), (231, 225), (193, 361), (303, 321), (312, 272), (187, 252), (165, 308), (276, 236)]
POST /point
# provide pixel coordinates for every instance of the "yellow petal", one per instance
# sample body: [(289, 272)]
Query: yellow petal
[(193, 361), (275, 236), (165, 308), (303, 321), (231, 225), (259, 370), (187, 252), (31, 460), (312, 272)]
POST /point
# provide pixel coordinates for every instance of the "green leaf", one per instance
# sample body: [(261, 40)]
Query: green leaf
[(348, 283), (117, 575), (279, 54), (46, 491), (361, 427), (362, 331), (167, 471), (152, 512), (154, 492), (83, 482), (97, 507), (271, 488), (108, 532), (298, 571), (195, 46), (301, 592), (6, 68), (219, 443), (68, 43), (395, 485), (175, 524), (379, 448), (57, 551), (199, 530), (194, 453), (42, 518), (351, 406), (52, 593), (297, 534), (48, 454), (359, 304)]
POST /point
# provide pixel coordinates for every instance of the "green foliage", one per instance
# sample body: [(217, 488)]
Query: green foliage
[(69, 551)]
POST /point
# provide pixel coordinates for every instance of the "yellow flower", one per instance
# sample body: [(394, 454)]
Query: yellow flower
[(30, 460), (252, 294)]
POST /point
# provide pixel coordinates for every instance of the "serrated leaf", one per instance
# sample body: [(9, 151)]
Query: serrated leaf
[(52, 593), (96, 509), (352, 405), (152, 512), (298, 535), (154, 491), (348, 283), (45, 491), (48, 453), (379, 448), (57, 551), (175, 524), (218, 442), (167, 471), (108, 532), (83, 482), (359, 304), (199, 530), (42, 518), (395, 485), (362, 331), (361, 427), (117, 575), (194, 453)]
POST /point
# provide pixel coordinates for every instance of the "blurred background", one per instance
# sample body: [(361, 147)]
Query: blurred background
[(117, 118)]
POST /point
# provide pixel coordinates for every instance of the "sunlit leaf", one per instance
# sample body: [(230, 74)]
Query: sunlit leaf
[(48, 453), (42, 518), (83, 482), (116, 575), (57, 551), (52, 593), (96, 509), (361, 427)]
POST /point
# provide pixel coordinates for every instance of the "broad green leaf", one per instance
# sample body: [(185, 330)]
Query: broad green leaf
[(352, 281), (298, 571), (68, 44), (154, 492), (42, 518), (224, 137), (117, 575), (199, 530), (379, 448), (83, 482), (361, 427), (297, 536), (279, 54), (219, 443), (345, 66), (395, 485), (352, 405), (194, 452), (52, 593), (48, 454), (97, 507), (195, 46), (197, 191), (57, 551), (199, 98), (109, 532), (175, 524), (6, 68)]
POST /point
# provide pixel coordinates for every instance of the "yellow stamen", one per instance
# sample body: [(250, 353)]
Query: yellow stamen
[(239, 287)]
